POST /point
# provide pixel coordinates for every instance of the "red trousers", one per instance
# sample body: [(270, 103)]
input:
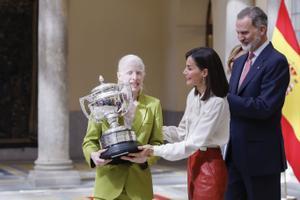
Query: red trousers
[(207, 175)]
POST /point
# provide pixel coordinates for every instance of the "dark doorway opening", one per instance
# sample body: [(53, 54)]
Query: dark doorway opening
[(18, 73)]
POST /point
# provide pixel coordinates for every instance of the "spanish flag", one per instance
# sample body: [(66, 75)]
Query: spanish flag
[(285, 41)]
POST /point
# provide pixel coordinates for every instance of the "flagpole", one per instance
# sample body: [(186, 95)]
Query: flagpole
[(285, 186), (286, 196)]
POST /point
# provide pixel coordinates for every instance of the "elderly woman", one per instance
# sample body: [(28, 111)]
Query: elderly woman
[(204, 127), (128, 180)]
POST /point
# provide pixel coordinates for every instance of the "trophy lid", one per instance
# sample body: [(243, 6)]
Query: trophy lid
[(104, 87)]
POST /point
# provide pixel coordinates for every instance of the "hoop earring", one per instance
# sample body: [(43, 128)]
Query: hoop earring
[(204, 80)]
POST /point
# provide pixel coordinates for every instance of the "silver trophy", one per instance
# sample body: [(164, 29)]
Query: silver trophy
[(109, 101)]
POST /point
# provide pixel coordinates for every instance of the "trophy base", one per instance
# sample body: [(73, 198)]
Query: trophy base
[(115, 152)]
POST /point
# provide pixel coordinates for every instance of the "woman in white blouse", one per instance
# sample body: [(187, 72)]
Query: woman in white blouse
[(204, 127)]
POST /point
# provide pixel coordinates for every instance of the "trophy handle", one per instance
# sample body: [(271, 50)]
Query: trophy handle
[(84, 106), (126, 98)]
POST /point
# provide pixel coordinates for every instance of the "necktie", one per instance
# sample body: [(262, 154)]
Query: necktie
[(246, 67)]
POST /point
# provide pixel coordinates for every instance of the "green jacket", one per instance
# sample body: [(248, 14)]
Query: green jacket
[(112, 180)]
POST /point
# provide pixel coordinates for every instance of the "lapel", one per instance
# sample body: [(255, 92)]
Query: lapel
[(256, 67), (140, 114)]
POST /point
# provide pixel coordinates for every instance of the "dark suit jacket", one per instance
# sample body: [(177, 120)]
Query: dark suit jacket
[(256, 143)]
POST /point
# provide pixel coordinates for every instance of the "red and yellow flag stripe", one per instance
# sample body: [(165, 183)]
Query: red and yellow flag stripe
[(285, 41)]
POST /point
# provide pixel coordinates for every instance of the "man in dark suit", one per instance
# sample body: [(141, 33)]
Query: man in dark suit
[(255, 153)]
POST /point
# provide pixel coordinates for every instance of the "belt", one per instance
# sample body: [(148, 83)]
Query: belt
[(205, 148)]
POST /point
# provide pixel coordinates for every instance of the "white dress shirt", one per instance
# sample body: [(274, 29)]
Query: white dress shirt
[(204, 124)]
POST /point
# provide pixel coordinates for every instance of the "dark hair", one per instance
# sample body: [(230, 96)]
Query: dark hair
[(257, 16), (216, 82)]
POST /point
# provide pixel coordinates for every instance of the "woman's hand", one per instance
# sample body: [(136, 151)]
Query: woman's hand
[(140, 157), (134, 159), (95, 156), (147, 150)]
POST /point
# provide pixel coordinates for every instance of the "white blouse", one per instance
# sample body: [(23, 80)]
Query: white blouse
[(204, 124)]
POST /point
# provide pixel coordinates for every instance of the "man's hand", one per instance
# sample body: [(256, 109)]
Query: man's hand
[(95, 156)]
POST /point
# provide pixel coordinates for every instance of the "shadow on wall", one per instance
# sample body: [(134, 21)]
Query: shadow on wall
[(78, 125)]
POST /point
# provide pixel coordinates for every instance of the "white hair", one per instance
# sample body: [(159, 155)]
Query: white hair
[(131, 59)]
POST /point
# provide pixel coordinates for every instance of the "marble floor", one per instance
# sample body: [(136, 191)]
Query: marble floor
[(169, 182)]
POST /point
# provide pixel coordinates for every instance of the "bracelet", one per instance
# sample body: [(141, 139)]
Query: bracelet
[(144, 165)]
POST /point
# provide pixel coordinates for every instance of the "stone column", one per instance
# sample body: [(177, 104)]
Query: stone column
[(232, 9), (53, 166)]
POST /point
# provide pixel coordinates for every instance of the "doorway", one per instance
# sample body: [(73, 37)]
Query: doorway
[(18, 73)]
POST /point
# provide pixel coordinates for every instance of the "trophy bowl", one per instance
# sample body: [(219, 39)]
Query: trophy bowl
[(109, 101)]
